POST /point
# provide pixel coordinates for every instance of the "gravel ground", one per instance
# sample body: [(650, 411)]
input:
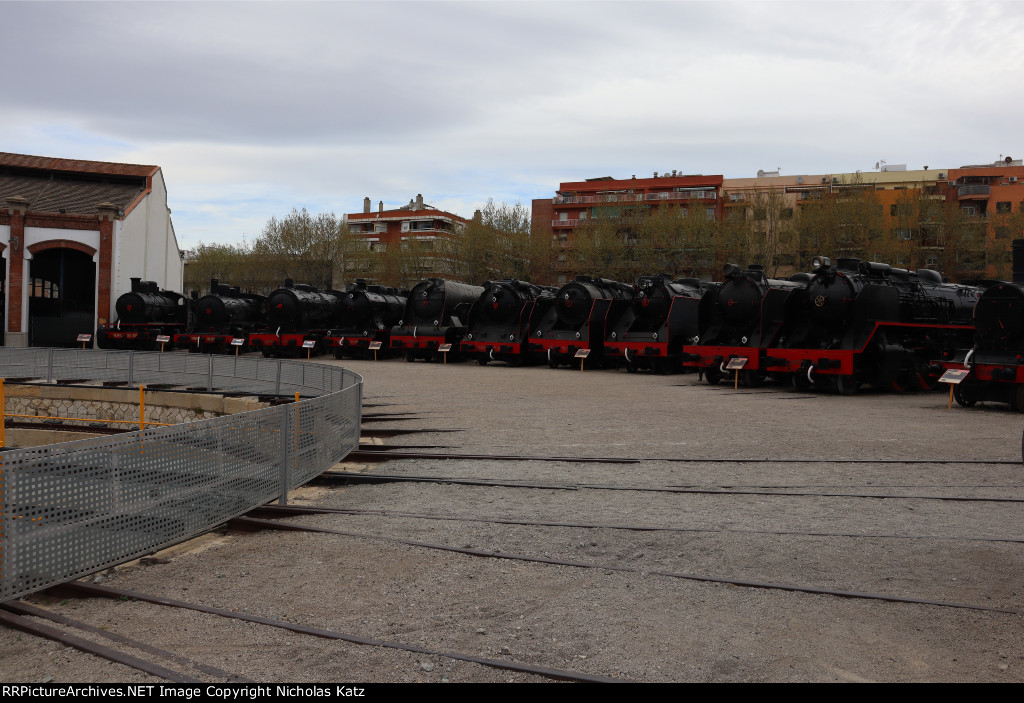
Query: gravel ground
[(624, 616)]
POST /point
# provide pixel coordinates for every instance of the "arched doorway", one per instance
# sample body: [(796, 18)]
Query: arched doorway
[(61, 297)]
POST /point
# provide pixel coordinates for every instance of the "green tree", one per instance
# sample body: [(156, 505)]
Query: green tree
[(304, 247)]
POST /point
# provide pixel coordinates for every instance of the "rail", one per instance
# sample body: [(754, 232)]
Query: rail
[(74, 508)]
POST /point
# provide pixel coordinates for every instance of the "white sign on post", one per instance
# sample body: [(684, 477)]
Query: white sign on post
[(736, 363), (444, 348), (308, 343), (238, 341), (374, 346), (954, 376), (163, 338), (85, 338), (582, 353)]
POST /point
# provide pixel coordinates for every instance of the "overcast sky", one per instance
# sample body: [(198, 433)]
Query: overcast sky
[(252, 109)]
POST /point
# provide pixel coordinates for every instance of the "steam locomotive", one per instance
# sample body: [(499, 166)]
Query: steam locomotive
[(739, 318), (660, 320), (580, 318), (436, 314), (500, 321), (368, 312), (144, 314), (864, 322), (297, 314), (221, 316), (995, 360)]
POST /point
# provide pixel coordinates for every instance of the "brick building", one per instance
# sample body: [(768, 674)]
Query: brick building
[(389, 232), (72, 235)]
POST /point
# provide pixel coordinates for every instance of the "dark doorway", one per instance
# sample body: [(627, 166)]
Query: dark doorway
[(61, 297)]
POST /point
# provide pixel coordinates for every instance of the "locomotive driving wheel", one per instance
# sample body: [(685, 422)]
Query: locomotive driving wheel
[(712, 375), (848, 384), (410, 356)]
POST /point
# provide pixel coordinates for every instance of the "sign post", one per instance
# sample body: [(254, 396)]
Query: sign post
[(163, 339), (83, 338), (582, 355), (735, 364), (308, 345), (237, 343), (444, 349), (375, 346), (954, 377)]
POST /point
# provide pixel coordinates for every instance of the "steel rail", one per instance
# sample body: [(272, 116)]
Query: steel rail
[(272, 511), (29, 610), (253, 524), (701, 460), (78, 588), (27, 625), (384, 478)]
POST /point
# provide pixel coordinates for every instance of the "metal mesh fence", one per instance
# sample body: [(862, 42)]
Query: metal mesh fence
[(74, 508)]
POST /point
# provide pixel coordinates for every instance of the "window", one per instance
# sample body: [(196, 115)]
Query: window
[(1003, 208), (709, 212), (904, 233), (970, 210), (380, 227), (786, 213)]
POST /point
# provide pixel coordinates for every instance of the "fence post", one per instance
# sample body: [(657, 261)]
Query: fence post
[(49, 366), (131, 367), (283, 500), (277, 385), (209, 373)]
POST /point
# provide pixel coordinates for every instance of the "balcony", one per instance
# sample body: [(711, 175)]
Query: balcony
[(705, 194), (975, 190), (564, 223)]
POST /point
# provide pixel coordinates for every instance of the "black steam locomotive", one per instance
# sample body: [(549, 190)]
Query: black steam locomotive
[(739, 318), (864, 322), (145, 314), (435, 315), (221, 316), (500, 321), (298, 316), (368, 312), (580, 318), (661, 319), (995, 360)]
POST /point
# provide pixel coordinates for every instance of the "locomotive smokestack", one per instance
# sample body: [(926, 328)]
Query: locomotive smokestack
[(1018, 260), (213, 285), (135, 284)]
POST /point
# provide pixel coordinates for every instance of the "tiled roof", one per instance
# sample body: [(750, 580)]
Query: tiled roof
[(74, 197), (48, 163)]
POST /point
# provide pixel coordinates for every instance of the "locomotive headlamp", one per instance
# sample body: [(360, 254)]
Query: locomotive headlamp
[(469, 336), (577, 335), (820, 262), (615, 335), (436, 323), (511, 338), (655, 336)]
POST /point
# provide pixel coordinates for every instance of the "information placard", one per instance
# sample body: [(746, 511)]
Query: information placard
[(163, 338), (308, 343), (374, 346), (444, 348), (954, 376), (582, 353), (85, 338), (736, 363), (238, 341)]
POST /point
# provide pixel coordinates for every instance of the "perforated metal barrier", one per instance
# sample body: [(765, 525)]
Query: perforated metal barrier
[(74, 508)]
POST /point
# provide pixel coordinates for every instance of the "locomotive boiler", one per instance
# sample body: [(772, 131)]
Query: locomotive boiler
[(436, 314)]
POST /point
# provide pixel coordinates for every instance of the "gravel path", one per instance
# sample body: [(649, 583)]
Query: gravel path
[(623, 616)]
